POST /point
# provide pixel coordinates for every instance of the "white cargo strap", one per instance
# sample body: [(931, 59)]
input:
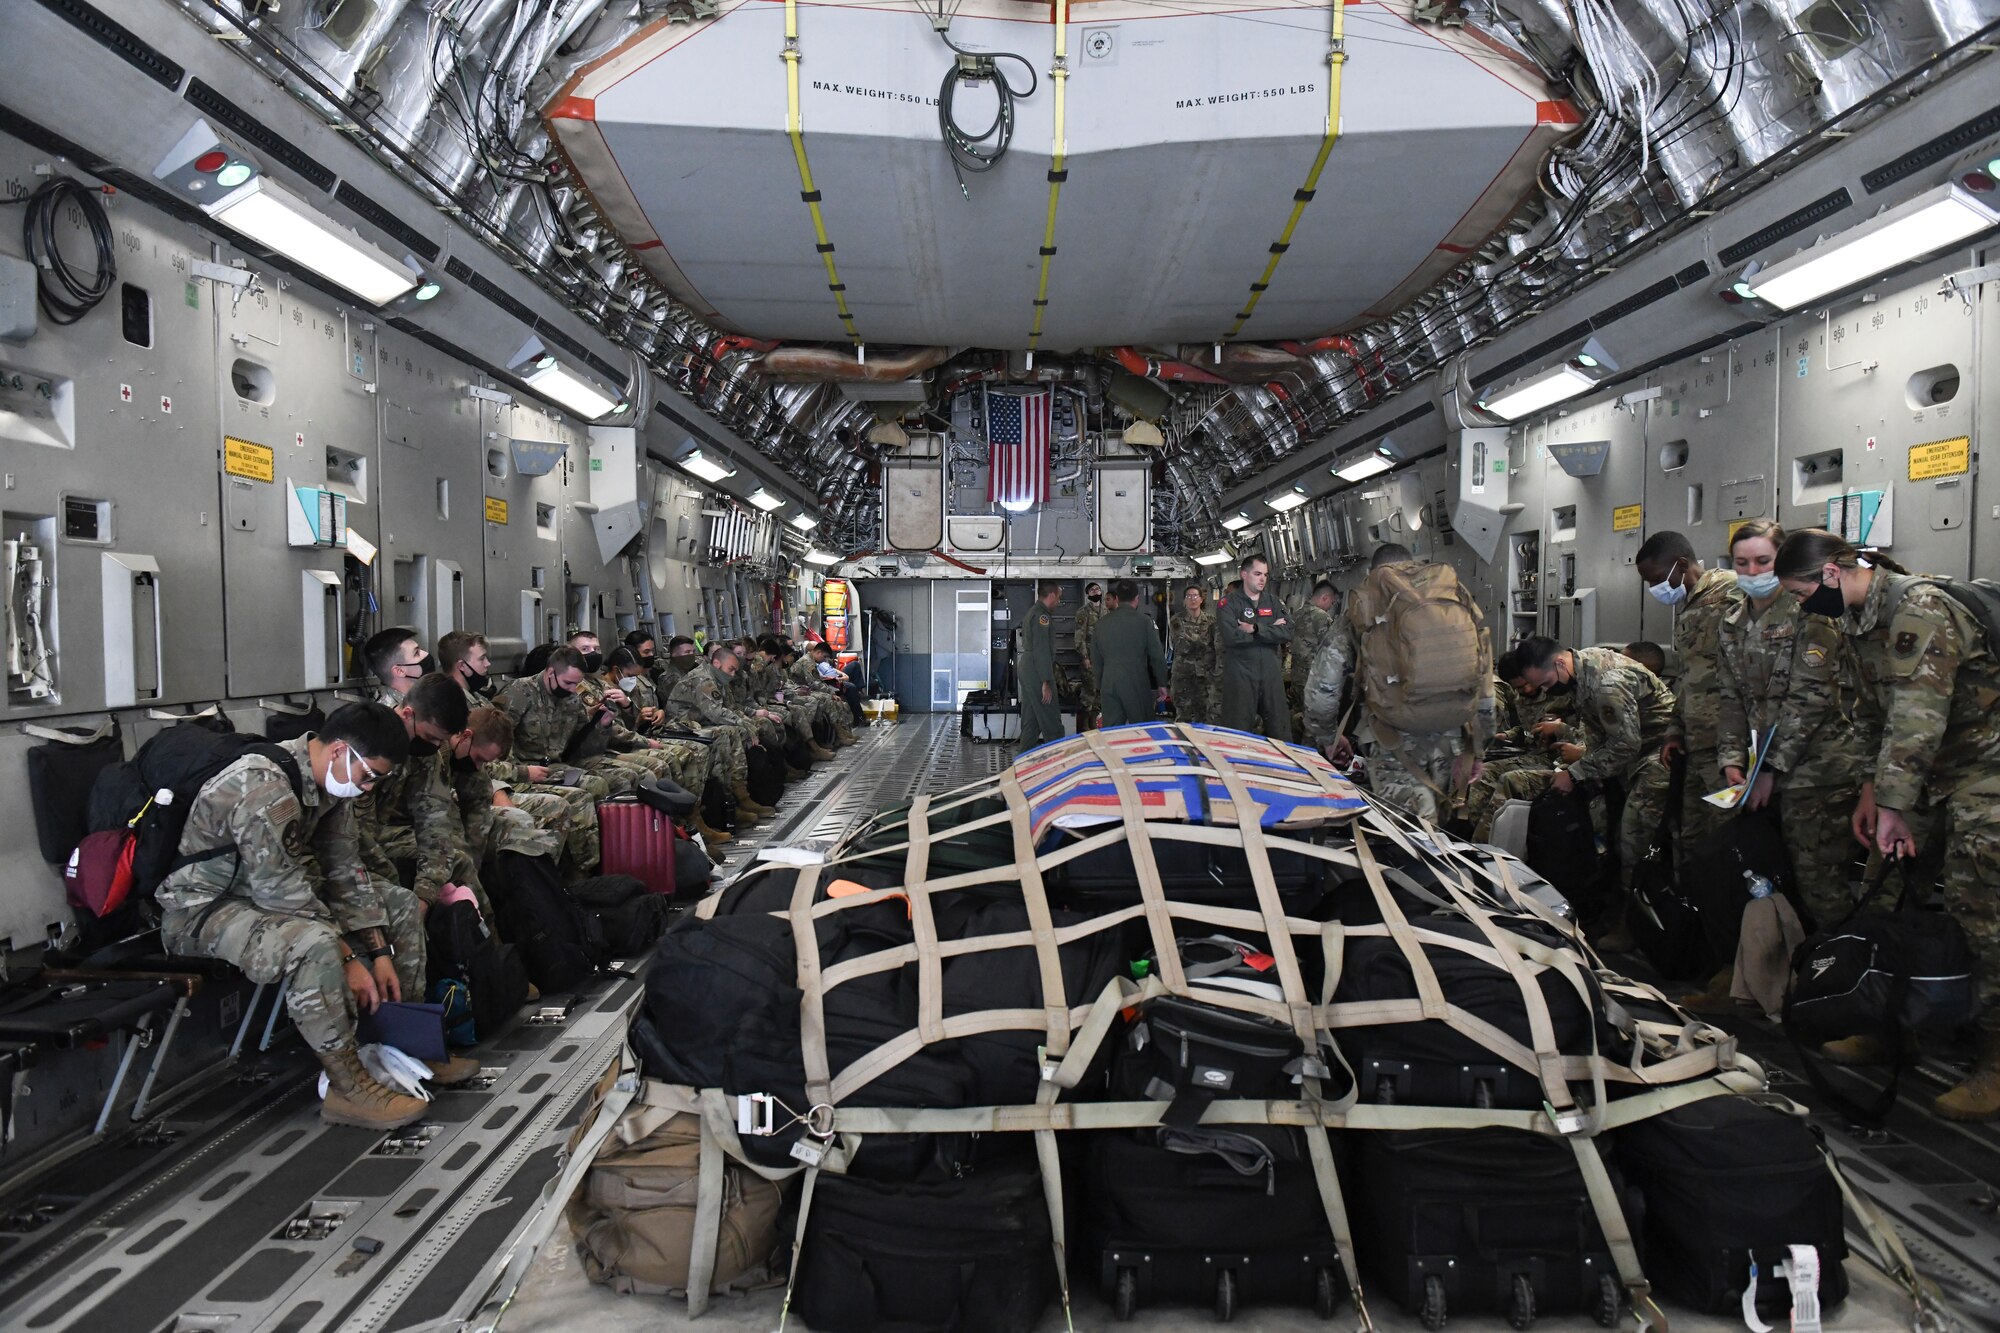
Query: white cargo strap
[(923, 926), (798, 1245), (1429, 994), (1145, 865), (104, 728), (707, 1224), (812, 1000), (516, 1263), (1929, 1312), (1048, 957), (1610, 1210)]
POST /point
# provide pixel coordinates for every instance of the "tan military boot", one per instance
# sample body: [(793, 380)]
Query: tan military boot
[(1978, 1097), (1713, 999), (820, 752), (453, 1070), (844, 736), (747, 807), (353, 1097), (714, 837), (1866, 1049)]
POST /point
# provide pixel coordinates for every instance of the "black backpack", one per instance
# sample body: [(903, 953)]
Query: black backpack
[(823, 733), (180, 760), (766, 780), (61, 774), (462, 949), (718, 806), (631, 918), (1749, 844), (1562, 843), (797, 753), (561, 944)]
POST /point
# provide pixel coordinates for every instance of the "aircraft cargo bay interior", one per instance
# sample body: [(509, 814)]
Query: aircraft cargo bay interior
[(999, 665)]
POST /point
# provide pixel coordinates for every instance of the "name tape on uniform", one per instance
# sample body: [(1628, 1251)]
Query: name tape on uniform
[(241, 458)]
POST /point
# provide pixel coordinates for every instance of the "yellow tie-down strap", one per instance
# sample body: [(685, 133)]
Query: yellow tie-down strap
[(1336, 61), (1058, 169), (809, 192)]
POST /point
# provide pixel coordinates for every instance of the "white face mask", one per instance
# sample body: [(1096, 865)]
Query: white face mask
[(342, 788), (628, 683), (1665, 592), (1757, 585)]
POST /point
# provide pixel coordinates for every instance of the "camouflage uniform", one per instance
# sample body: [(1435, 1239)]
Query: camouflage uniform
[(804, 672), (1415, 771), (736, 692), (1697, 638), (297, 882), (1626, 713), (413, 815), (1930, 719), (1310, 627), (766, 681), (544, 726), (673, 760), (700, 702), (1191, 677), (1087, 617), (569, 813), (1795, 673), (1516, 715)]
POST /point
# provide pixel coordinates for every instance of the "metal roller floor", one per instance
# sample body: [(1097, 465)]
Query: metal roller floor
[(235, 1209)]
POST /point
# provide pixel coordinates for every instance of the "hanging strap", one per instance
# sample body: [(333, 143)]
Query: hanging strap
[(1930, 1312), (61, 737), (812, 998), (1610, 1210)]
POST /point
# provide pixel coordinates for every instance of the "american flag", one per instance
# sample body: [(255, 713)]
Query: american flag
[(1017, 428)]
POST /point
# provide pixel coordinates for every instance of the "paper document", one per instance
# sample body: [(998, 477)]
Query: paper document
[(1731, 797)]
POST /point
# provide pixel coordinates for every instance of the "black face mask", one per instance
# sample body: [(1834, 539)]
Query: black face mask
[(1825, 601), (646, 662), (476, 681), (558, 691), (685, 663), (421, 748), (591, 663), (1096, 597), (464, 764), (428, 665)]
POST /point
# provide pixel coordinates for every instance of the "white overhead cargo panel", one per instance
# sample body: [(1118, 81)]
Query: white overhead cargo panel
[(1190, 129)]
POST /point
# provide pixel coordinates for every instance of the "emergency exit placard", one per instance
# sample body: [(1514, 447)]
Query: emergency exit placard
[(1944, 458), (241, 458), (496, 510), (1627, 518)]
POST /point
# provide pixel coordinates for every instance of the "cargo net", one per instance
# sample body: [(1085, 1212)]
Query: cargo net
[(1178, 929)]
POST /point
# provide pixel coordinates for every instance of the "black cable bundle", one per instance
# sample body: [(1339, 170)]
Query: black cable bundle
[(968, 151), (63, 293)]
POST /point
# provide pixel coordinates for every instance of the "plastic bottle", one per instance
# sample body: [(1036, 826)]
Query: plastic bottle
[(1760, 887)]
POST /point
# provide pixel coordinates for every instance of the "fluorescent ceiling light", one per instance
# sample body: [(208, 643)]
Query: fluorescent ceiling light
[(274, 219), (1362, 468), (706, 468), (1236, 522), (766, 501), (821, 558), (1213, 558), (1289, 501), (803, 522), (1932, 221), (1536, 392), (552, 379)]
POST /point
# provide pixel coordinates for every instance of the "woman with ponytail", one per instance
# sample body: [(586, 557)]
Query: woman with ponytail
[(1929, 717)]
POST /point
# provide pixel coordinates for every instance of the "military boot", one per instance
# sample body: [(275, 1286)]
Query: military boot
[(820, 753), (1866, 1049), (714, 837), (844, 736), (747, 807), (1713, 999), (453, 1070), (353, 1097), (1978, 1097)]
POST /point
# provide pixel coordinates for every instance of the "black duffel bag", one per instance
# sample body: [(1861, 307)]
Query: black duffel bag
[(1882, 973), (766, 777), (1665, 925)]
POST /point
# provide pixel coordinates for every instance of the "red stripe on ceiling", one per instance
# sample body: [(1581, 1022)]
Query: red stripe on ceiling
[(574, 108), (1557, 112), (649, 245)]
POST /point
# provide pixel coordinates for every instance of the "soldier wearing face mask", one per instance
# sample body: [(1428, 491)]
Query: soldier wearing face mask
[(276, 886), (1700, 598), (408, 825), (549, 715), (616, 688), (585, 642), (397, 661)]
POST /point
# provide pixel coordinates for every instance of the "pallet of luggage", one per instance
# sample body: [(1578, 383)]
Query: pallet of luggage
[(1177, 1012)]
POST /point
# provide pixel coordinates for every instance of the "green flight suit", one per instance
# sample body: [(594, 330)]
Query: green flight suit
[(1130, 665), (1041, 720), (1253, 634)]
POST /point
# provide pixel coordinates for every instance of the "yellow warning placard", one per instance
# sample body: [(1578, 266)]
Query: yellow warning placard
[(1625, 518), (1944, 458), (241, 458), (496, 510)]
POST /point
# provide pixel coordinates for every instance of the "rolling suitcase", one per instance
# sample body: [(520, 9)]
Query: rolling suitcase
[(1225, 1215), (637, 840), (1728, 1183), (1484, 1220)]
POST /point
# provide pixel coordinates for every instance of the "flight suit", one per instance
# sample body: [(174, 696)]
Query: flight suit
[(1793, 678), (296, 883), (1254, 632), (1930, 722), (1041, 720), (1626, 713), (1087, 617), (1130, 665), (1698, 637), (1191, 678), (1310, 627)]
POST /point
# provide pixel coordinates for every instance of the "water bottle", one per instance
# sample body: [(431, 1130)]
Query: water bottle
[(1760, 887)]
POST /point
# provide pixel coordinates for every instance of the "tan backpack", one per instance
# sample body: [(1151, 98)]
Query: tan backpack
[(1424, 652), (634, 1216)]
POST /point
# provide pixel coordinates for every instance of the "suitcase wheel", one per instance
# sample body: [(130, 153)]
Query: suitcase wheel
[(1433, 1313), (1125, 1296), (1326, 1293), (1521, 1306), (1225, 1296), (1610, 1302)]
